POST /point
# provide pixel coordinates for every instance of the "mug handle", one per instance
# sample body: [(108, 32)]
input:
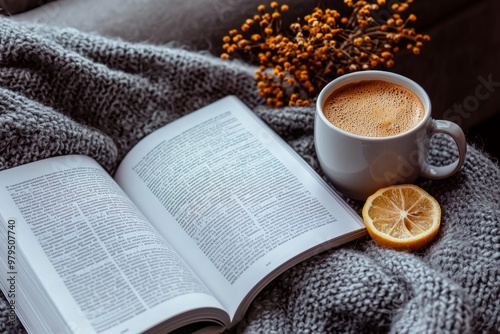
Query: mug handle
[(455, 132)]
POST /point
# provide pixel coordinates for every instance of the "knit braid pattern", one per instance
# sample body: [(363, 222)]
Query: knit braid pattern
[(67, 92)]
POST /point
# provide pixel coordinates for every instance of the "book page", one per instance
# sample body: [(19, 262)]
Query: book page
[(114, 271), (233, 198)]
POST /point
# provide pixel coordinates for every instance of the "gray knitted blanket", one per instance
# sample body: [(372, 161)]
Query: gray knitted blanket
[(66, 92)]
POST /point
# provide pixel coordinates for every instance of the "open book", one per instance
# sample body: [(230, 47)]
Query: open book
[(199, 217)]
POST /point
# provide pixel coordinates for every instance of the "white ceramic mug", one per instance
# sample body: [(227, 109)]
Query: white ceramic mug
[(359, 165)]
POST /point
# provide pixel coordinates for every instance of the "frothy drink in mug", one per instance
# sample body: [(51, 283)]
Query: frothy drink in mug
[(374, 128), (374, 108)]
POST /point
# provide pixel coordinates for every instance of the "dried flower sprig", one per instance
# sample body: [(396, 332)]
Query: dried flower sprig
[(295, 64)]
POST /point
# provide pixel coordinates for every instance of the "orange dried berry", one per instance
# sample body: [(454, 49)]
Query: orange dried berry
[(364, 12), (261, 8), (330, 21), (242, 43), (403, 7), (261, 84), (255, 37), (274, 5), (386, 54), (358, 41), (284, 8)]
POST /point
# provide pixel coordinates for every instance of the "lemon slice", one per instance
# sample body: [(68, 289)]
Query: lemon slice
[(403, 217)]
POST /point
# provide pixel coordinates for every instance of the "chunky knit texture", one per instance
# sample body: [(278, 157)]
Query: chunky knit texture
[(63, 92)]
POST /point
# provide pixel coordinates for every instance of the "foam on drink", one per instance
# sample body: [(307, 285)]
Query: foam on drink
[(374, 108)]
